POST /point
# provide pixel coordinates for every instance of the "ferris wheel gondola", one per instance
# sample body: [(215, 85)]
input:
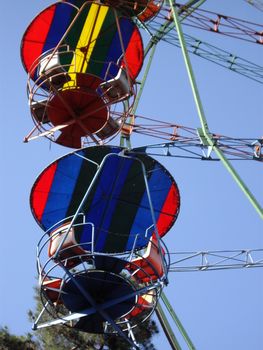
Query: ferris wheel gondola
[(82, 63), (111, 271)]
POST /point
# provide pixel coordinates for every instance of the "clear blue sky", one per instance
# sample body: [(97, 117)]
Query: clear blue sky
[(220, 310)]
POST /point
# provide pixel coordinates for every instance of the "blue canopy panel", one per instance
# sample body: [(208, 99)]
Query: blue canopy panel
[(117, 204)]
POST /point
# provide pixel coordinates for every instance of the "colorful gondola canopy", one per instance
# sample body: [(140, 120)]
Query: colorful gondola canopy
[(118, 203), (94, 39)]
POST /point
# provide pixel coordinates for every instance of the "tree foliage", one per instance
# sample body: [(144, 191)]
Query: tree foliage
[(13, 342)]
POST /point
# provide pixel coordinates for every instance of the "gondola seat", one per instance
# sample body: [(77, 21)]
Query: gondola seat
[(117, 88), (149, 267)]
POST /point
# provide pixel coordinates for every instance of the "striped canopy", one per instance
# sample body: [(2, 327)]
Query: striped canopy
[(117, 205), (90, 34)]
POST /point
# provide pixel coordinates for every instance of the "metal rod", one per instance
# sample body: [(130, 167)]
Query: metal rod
[(138, 96), (99, 169), (167, 328), (203, 120), (92, 310), (146, 71), (177, 321), (189, 68), (238, 180), (34, 327), (152, 214), (122, 47)]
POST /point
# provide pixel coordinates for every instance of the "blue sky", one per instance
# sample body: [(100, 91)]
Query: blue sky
[(220, 310)]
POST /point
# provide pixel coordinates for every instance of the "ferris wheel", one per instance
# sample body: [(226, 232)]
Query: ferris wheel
[(106, 206)]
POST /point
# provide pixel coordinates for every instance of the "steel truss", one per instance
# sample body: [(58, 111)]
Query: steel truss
[(204, 131), (161, 29), (186, 142), (214, 22), (216, 260)]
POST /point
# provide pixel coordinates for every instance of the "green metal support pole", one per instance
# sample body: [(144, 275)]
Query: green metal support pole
[(177, 321), (145, 75), (166, 27), (189, 69), (126, 139), (167, 328), (203, 120)]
